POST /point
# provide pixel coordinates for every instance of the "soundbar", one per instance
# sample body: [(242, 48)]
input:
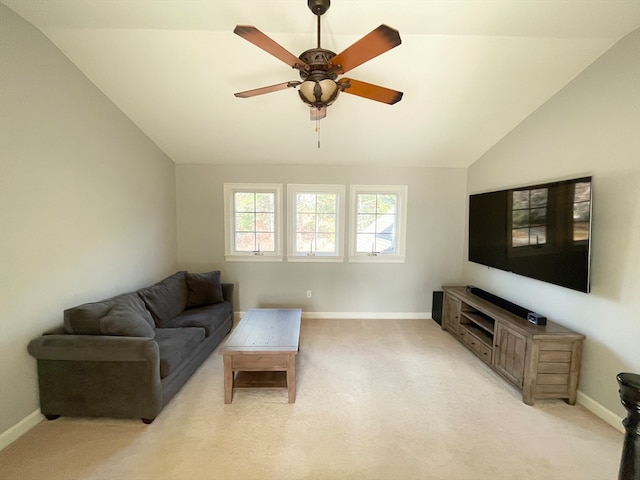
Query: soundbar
[(521, 312)]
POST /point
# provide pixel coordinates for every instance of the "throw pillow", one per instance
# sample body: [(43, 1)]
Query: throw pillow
[(85, 319), (166, 299), (122, 320), (204, 289)]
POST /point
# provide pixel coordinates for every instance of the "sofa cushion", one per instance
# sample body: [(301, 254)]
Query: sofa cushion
[(122, 320), (167, 298), (204, 289), (85, 319), (176, 344), (208, 317)]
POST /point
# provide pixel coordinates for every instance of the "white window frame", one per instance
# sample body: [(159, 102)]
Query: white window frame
[(401, 224), (312, 256), (232, 255)]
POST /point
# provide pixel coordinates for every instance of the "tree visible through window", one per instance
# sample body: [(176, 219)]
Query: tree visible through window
[(252, 222), (316, 223)]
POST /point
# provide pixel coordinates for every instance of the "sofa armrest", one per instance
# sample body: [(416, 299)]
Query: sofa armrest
[(227, 294), (94, 348), (98, 376)]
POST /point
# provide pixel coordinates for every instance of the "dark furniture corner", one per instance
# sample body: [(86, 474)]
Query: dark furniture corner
[(630, 397)]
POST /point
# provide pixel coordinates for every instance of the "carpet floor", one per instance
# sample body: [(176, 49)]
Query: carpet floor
[(376, 399)]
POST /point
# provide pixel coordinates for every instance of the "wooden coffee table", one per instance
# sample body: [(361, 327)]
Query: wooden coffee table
[(262, 349)]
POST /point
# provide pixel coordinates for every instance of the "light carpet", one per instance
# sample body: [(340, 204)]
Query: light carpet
[(376, 399)]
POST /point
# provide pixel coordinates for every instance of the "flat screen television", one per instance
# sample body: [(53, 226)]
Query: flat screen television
[(539, 231)]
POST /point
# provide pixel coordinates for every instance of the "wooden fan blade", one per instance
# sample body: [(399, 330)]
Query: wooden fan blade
[(318, 113), (260, 40), (380, 40), (263, 90), (370, 91)]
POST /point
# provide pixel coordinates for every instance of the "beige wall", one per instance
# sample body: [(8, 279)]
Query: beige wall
[(87, 203), (436, 203), (591, 127)]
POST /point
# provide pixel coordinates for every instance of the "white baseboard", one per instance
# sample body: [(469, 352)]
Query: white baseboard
[(599, 411), (362, 315), (20, 428), (369, 315)]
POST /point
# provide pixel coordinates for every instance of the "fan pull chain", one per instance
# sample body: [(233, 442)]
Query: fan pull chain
[(318, 131)]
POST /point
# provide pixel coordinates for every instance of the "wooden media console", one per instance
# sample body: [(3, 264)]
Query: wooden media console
[(543, 361)]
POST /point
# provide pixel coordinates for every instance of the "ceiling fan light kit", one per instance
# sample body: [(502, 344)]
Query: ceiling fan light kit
[(319, 68), (320, 93)]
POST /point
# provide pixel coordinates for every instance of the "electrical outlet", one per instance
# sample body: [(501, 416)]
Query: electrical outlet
[(308, 293)]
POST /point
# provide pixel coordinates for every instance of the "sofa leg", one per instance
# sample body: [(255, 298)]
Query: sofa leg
[(51, 417), (148, 421)]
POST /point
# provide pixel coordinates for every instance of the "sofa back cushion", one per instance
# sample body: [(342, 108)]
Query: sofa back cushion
[(204, 289), (122, 320), (85, 319), (122, 315), (166, 299)]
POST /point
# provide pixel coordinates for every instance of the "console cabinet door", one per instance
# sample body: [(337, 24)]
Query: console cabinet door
[(451, 314), (509, 354)]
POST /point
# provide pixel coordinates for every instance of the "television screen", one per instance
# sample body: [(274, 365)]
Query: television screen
[(539, 231)]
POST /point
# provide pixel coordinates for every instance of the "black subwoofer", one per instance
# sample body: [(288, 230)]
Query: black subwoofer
[(436, 307)]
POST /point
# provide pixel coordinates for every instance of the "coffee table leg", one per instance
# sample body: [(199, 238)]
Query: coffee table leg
[(291, 378), (228, 379)]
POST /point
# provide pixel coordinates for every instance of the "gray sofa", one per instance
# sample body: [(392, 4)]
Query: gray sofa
[(128, 355)]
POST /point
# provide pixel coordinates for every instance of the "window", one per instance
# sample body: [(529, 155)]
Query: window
[(378, 223), (529, 217), (316, 218), (253, 222)]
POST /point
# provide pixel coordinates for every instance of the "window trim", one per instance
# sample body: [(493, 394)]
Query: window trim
[(229, 227), (401, 234), (292, 190)]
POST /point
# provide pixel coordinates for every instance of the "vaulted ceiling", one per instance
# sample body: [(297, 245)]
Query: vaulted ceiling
[(470, 70)]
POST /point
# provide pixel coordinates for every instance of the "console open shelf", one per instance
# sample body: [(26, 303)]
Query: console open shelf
[(543, 361), (485, 323), (479, 333)]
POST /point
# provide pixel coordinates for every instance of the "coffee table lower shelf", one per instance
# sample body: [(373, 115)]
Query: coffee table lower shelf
[(260, 380), (242, 370)]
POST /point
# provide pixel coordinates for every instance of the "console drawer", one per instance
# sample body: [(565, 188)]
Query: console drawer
[(475, 345)]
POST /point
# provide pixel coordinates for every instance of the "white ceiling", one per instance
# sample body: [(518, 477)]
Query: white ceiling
[(470, 70)]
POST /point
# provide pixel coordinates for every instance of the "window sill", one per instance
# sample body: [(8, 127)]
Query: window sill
[(314, 258), (376, 259), (253, 258)]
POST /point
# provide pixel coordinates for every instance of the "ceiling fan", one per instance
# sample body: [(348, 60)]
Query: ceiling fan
[(319, 68)]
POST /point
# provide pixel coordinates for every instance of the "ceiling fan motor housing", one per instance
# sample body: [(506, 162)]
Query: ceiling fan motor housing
[(318, 88), (317, 60)]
